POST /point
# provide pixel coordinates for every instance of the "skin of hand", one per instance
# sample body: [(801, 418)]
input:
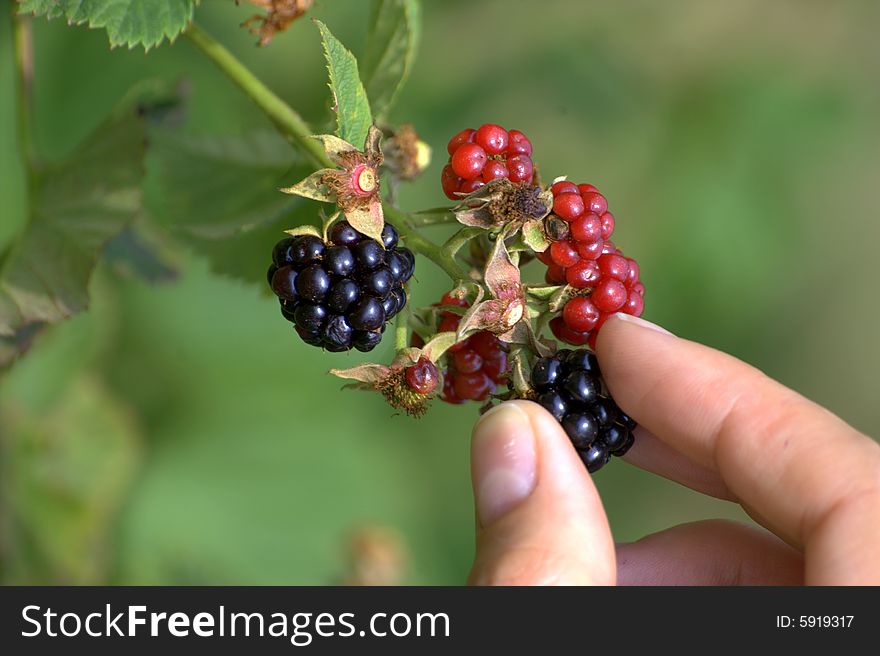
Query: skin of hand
[(707, 421)]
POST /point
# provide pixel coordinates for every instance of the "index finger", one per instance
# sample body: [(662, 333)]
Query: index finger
[(801, 470)]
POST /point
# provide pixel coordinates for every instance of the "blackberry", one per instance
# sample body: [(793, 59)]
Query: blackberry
[(569, 386), (340, 293)]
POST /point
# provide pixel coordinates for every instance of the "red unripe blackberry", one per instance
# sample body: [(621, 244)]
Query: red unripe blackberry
[(564, 253), (607, 225), (495, 366), (586, 188), (485, 343), (614, 266), (520, 169), (449, 394), (586, 259), (568, 206), (632, 275), (450, 182), (463, 137), (634, 305), (609, 295), (449, 299), (493, 170), (555, 274), (470, 186), (564, 187), (580, 314), (483, 155), (491, 138), (590, 251), (468, 161), (473, 387), (587, 228), (467, 361), (595, 202), (475, 365), (583, 274), (448, 324), (561, 331), (543, 257), (518, 144), (422, 376)]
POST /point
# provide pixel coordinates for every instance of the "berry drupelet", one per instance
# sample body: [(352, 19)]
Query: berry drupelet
[(569, 386), (482, 155), (587, 260), (339, 294)]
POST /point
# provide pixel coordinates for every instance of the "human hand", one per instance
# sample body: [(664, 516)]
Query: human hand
[(710, 422)]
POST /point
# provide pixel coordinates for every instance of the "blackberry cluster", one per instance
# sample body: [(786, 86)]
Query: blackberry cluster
[(480, 156), (339, 294), (475, 366), (569, 386), (585, 258)]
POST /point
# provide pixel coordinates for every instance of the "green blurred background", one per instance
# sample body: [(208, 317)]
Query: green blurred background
[(179, 433)]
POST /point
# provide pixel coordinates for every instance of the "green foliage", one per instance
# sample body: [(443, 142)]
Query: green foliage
[(76, 207), (140, 252), (64, 475), (353, 116), (220, 195), (392, 45), (128, 22)]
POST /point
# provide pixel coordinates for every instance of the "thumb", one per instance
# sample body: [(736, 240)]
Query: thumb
[(539, 517)]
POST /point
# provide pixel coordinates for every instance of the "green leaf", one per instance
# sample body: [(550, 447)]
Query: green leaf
[(65, 473), (534, 237), (128, 22), (77, 206), (220, 196), (392, 44), (139, 252), (215, 187), (353, 116)]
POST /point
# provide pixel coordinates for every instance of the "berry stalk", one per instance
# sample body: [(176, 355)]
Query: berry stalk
[(295, 128), (415, 241), (285, 118)]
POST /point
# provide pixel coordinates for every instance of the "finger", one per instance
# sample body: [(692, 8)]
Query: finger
[(657, 457), (812, 479), (714, 552), (540, 518)]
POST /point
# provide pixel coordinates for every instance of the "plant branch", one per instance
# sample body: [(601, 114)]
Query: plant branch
[(290, 123), (401, 329), (22, 37), (438, 216), (459, 239), (416, 242)]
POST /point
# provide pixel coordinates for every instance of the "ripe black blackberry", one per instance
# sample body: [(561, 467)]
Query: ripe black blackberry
[(339, 294), (569, 385)]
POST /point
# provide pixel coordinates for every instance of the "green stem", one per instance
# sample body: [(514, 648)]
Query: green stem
[(416, 242), (279, 112), (401, 330), (299, 133), (459, 239), (22, 37), (440, 216)]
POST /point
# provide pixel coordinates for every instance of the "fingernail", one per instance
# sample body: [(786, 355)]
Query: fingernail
[(628, 318), (504, 461)]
